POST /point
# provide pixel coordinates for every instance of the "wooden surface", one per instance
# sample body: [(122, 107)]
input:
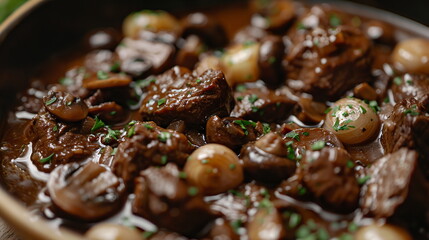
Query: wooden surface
[(6, 232)]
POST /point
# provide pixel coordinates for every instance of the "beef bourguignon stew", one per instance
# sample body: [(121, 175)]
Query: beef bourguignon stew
[(305, 123)]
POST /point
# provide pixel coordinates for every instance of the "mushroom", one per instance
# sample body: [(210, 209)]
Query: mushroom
[(90, 192), (65, 106), (104, 79)]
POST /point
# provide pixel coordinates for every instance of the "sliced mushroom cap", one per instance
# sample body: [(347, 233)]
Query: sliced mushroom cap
[(311, 111), (106, 80), (90, 192), (65, 106), (276, 16), (141, 56)]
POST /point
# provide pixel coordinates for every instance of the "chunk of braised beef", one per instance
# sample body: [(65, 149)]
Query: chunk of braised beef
[(329, 178), (149, 145), (231, 132), (56, 142), (268, 160), (179, 94), (206, 28), (302, 139), (271, 53), (410, 86), (327, 58), (395, 186), (256, 102), (90, 192), (397, 129), (142, 57), (170, 202)]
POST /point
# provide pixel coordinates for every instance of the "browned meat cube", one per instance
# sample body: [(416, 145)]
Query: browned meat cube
[(179, 94)]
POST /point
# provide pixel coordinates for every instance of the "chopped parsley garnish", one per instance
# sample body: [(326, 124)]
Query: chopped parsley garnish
[(66, 81), (204, 161), (272, 60), (290, 151), (164, 159), (350, 164), (198, 80), (145, 82), (114, 151), (293, 134), (161, 101), (164, 136), (306, 133), (55, 128), (47, 159), (115, 67), (183, 175), (335, 110), (265, 203), (232, 166), (294, 220), (397, 80), (112, 134), (363, 180), (345, 114), (236, 225), (386, 100), (243, 124), (318, 145), (248, 43), (192, 191), (337, 127), (147, 126), (334, 21), (253, 98), (98, 124), (254, 109), (240, 88), (409, 82), (373, 105), (328, 110), (240, 98), (302, 190), (112, 113), (148, 234), (412, 111), (131, 131), (300, 26), (102, 75), (362, 109), (50, 101), (346, 236), (353, 227), (266, 128)]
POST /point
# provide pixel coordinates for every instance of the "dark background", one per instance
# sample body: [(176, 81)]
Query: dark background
[(417, 10)]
